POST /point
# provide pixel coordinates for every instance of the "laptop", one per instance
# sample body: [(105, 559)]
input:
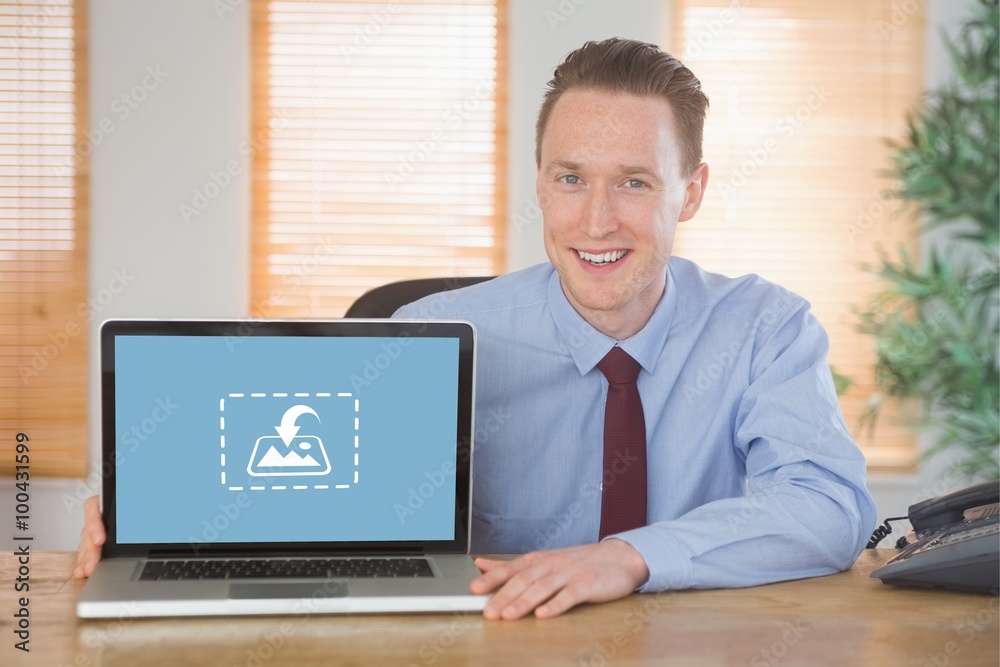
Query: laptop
[(273, 467)]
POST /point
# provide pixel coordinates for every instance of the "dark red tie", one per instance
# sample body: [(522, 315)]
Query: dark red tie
[(623, 502)]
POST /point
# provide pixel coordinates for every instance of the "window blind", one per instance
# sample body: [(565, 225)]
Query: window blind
[(378, 149), (803, 95), (43, 235)]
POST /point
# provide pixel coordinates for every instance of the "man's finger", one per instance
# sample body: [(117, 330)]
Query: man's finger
[(85, 563), (82, 571), (78, 572), (538, 592), (85, 545), (569, 597), (497, 574), (487, 564), (92, 523), (536, 581), (508, 595), (92, 536)]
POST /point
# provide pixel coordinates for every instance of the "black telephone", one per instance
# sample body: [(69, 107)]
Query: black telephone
[(956, 545)]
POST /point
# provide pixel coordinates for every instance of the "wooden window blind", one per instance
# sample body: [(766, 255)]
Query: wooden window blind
[(378, 147), (43, 234), (803, 95)]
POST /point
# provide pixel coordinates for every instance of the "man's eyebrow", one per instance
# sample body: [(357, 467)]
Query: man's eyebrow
[(568, 165), (561, 165), (638, 169)]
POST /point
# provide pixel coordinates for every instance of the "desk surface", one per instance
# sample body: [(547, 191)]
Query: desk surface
[(843, 619)]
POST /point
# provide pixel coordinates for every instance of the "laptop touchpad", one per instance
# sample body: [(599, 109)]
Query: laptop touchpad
[(315, 591)]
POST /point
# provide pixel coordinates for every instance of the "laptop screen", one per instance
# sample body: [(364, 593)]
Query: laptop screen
[(296, 433)]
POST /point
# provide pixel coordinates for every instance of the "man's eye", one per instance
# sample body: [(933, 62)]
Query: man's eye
[(571, 179), (635, 183)]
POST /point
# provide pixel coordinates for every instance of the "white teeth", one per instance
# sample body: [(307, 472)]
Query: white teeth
[(602, 259)]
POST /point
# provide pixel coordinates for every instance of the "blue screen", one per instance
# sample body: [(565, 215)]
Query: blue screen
[(285, 439)]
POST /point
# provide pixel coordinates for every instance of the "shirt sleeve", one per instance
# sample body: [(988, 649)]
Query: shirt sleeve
[(807, 511)]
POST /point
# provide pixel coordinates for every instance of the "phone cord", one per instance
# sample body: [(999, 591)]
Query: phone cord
[(882, 531)]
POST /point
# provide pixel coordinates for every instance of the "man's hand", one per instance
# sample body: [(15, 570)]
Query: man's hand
[(91, 538), (551, 582)]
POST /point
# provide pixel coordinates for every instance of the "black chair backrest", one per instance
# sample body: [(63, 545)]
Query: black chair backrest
[(385, 300)]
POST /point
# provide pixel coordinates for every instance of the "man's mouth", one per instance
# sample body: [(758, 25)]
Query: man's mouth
[(602, 259)]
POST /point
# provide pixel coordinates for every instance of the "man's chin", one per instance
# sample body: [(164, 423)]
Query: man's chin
[(613, 307)]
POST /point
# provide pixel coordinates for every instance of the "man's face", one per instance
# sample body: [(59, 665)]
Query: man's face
[(611, 191)]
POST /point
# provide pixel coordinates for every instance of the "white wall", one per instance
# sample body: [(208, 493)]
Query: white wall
[(182, 134), (190, 122), (184, 72)]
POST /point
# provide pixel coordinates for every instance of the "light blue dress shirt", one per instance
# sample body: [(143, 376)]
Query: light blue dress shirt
[(753, 476)]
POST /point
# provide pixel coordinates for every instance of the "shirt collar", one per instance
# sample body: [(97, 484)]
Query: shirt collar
[(588, 346)]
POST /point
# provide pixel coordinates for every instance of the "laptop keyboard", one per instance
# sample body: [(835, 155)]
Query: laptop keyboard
[(293, 568)]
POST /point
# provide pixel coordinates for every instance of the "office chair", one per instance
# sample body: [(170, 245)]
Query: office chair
[(385, 300)]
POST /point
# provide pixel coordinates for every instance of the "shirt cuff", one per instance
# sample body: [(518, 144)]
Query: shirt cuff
[(666, 558)]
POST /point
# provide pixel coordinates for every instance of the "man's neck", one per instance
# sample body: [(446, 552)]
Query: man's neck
[(621, 323), (615, 327)]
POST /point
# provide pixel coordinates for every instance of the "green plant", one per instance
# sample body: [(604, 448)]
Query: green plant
[(936, 324)]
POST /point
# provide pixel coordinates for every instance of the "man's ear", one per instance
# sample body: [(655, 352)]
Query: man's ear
[(694, 192)]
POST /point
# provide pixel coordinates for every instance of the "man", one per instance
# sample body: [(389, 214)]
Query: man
[(739, 470)]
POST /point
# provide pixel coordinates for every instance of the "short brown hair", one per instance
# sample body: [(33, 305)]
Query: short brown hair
[(636, 68)]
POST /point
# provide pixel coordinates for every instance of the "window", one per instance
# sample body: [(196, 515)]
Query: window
[(803, 96), (378, 148), (43, 234)]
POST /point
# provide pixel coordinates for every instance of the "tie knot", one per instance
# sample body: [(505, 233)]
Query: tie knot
[(618, 367)]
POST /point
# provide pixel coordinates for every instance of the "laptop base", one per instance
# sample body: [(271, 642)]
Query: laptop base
[(114, 592)]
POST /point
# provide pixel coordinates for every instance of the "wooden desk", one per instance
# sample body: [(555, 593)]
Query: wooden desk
[(843, 619)]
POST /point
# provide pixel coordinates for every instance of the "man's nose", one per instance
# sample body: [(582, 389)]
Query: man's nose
[(599, 215)]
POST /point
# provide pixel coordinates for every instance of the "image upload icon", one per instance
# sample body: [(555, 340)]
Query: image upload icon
[(284, 459), (288, 453), (282, 441)]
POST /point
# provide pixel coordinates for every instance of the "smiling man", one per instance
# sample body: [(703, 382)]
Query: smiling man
[(740, 470), (665, 427)]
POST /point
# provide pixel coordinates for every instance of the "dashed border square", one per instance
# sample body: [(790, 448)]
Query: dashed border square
[(282, 487)]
